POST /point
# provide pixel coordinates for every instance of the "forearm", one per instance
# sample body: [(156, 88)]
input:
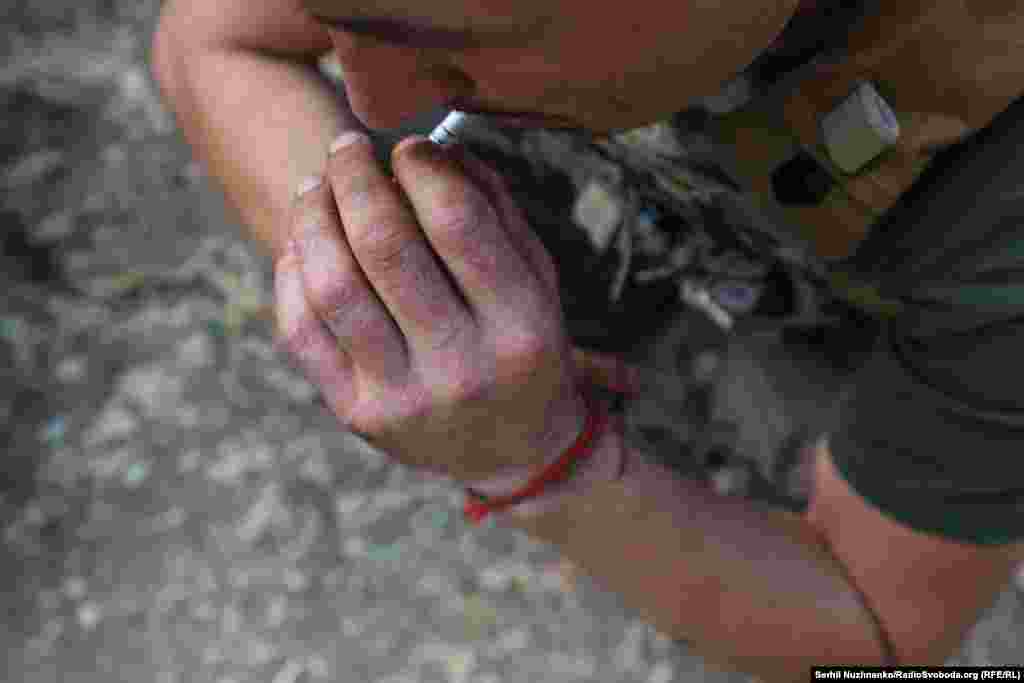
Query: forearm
[(259, 123), (755, 588)]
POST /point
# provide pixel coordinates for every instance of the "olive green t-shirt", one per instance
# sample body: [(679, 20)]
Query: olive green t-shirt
[(932, 431)]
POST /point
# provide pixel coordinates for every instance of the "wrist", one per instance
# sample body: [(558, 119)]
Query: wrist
[(602, 459), (565, 425)]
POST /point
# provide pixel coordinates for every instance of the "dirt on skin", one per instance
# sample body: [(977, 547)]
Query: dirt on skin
[(176, 502)]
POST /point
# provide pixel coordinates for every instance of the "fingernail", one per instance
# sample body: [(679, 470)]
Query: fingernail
[(414, 140), (309, 184), (347, 138)]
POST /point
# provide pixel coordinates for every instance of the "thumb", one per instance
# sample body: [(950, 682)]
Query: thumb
[(607, 370)]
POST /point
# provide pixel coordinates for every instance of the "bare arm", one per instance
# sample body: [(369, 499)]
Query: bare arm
[(241, 77), (765, 590), (752, 588), (770, 592)]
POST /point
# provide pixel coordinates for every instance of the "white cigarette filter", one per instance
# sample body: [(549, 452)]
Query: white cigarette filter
[(860, 129), (446, 132)]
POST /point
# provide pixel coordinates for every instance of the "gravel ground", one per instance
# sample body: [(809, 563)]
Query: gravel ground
[(177, 503)]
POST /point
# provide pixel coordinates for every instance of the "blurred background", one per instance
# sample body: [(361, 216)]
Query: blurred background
[(177, 504)]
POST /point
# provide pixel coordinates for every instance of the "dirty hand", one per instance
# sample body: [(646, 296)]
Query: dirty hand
[(428, 313)]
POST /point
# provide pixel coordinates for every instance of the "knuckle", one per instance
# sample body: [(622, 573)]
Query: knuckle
[(356, 189), (369, 325), (384, 250), (451, 337), (457, 214), (352, 314), (525, 351), (465, 387), (384, 412), (334, 299), (299, 337), (461, 223)]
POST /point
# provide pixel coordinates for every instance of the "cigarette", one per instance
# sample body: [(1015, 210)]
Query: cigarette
[(447, 132)]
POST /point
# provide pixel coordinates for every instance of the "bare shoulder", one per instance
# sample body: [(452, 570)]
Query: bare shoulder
[(925, 590)]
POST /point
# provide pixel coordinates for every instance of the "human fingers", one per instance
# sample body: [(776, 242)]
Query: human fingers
[(518, 228), (302, 335), (468, 235), (337, 291), (397, 260)]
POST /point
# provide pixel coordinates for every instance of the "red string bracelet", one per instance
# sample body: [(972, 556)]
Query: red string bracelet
[(477, 510)]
